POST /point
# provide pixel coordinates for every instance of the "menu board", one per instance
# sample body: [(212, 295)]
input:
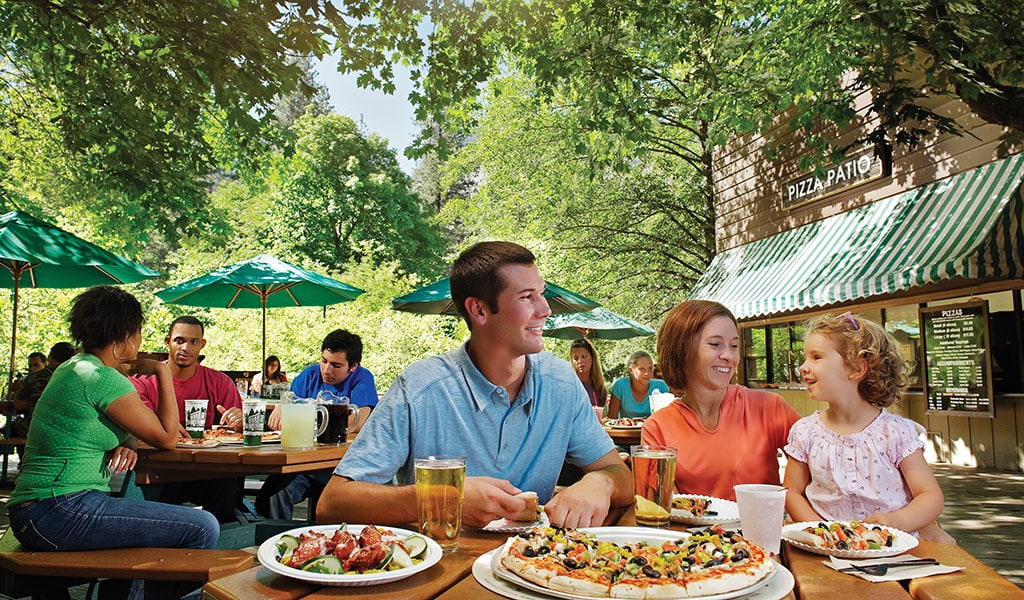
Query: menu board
[(957, 362)]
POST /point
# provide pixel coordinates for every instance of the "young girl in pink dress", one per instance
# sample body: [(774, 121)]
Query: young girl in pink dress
[(856, 460)]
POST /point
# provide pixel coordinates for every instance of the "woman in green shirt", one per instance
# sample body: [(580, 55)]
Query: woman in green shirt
[(80, 432)]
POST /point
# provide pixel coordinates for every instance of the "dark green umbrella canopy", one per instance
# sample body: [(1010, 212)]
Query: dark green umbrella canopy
[(262, 282), (594, 324), (34, 253), (436, 299)]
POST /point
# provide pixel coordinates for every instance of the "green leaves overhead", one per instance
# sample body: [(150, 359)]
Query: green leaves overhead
[(348, 199)]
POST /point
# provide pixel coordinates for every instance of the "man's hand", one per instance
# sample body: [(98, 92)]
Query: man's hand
[(232, 417), (146, 366), (122, 460), (274, 420), (487, 499), (183, 433), (583, 504)]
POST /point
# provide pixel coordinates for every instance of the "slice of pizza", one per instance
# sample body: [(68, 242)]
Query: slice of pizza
[(696, 507), (852, 535), (719, 561)]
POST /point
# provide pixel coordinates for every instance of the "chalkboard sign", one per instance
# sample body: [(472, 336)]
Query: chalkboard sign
[(957, 363)]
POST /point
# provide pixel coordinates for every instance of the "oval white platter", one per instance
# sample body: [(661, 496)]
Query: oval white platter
[(268, 556)]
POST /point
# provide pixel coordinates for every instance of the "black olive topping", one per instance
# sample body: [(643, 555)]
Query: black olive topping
[(716, 561), (638, 560), (888, 540), (571, 564), (650, 572), (740, 554), (841, 545), (529, 552), (543, 550)]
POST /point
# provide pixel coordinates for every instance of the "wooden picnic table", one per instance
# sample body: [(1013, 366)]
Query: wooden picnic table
[(189, 464), (623, 436), (452, 578)]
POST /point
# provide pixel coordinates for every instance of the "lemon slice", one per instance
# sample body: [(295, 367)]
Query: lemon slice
[(646, 508)]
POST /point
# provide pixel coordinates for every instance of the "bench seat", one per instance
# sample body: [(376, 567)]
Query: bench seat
[(18, 566)]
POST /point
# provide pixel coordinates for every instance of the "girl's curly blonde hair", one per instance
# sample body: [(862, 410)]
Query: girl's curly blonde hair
[(858, 339)]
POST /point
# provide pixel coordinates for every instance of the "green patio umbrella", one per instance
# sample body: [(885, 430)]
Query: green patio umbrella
[(436, 299), (262, 282), (594, 324), (34, 253)]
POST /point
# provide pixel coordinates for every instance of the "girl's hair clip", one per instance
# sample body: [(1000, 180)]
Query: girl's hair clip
[(853, 322)]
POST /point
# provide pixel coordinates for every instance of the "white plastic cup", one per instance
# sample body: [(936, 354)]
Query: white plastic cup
[(195, 416), (762, 510)]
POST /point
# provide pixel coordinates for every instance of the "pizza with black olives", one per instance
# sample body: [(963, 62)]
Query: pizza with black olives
[(711, 562)]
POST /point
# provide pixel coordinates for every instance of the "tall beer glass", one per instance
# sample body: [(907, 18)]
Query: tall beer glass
[(654, 475), (440, 482)]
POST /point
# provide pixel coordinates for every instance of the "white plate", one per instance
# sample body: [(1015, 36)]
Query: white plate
[(268, 556), (489, 572), (728, 511), (614, 424), (903, 542), (506, 526)]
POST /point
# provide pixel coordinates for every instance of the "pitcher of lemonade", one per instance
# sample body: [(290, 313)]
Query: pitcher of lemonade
[(298, 422)]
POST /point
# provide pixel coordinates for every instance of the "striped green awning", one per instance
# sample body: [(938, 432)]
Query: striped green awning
[(968, 225)]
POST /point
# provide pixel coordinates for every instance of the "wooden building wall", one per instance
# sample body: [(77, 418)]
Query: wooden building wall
[(749, 188)]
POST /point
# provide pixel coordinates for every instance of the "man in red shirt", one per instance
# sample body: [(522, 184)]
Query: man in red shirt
[(192, 381)]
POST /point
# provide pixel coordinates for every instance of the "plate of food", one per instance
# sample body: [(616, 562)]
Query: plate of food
[(625, 423), (848, 539), (348, 555), (228, 437), (694, 509), (735, 567), (532, 516), (193, 443)]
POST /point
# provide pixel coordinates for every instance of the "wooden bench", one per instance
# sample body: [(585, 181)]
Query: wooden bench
[(7, 446), (28, 572)]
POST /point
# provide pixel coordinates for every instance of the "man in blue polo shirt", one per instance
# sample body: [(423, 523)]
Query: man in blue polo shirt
[(339, 373), (515, 412)]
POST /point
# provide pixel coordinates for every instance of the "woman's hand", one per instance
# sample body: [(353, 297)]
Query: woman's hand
[(122, 459)]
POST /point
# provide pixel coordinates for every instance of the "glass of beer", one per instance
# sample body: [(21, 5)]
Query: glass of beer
[(654, 475), (440, 482)]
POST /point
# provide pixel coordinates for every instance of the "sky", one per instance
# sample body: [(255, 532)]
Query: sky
[(389, 116)]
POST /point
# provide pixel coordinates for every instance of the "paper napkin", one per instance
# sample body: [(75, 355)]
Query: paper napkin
[(895, 573)]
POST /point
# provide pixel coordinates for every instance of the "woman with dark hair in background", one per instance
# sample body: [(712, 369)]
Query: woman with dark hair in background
[(272, 374), (588, 368), (79, 435)]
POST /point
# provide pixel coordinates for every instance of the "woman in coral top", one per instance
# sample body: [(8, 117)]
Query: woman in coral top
[(726, 434)]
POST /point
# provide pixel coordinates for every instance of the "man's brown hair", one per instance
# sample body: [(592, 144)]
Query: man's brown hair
[(474, 273), (677, 337)]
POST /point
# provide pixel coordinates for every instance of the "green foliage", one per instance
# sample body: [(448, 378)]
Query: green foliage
[(348, 199), (629, 238), (391, 339)]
